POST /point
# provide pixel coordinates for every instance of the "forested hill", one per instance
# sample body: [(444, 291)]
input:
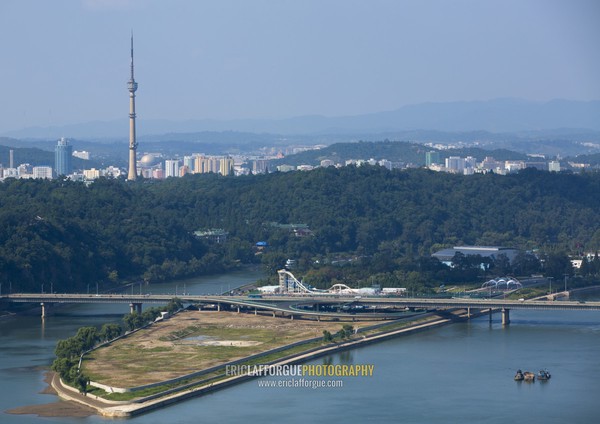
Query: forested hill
[(592, 159), (71, 234), (395, 151)]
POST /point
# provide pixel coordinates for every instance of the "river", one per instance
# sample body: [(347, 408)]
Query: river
[(457, 373)]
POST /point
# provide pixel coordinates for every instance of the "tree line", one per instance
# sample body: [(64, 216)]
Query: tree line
[(69, 235)]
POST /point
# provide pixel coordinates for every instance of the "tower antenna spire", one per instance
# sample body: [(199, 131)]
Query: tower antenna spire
[(132, 54)]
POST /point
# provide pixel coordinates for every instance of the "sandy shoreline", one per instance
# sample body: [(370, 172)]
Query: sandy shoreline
[(61, 408)]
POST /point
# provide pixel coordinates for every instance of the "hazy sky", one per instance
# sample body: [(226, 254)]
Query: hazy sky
[(66, 62)]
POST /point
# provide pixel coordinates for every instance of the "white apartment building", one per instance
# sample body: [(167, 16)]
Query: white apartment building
[(554, 166), (171, 168), (42, 172)]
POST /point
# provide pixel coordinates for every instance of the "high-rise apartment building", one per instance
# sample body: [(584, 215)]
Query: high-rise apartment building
[(63, 154), (432, 157), (199, 163), (226, 166), (171, 168), (189, 162), (455, 164), (260, 166), (216, 164)]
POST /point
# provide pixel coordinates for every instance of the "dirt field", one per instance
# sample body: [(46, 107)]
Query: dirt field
[(195, 340)]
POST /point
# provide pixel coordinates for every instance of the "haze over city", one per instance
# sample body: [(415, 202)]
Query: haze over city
[(299, 211), (66, 62)]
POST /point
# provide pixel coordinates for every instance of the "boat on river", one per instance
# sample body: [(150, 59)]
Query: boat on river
[(519, 376), (543, 375), (529, 376)]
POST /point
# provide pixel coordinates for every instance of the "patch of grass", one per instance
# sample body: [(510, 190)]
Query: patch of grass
[(528, 293), (147, 357), (159, 349), (264, 359), (190, 331), (141, 393), (208, 378)]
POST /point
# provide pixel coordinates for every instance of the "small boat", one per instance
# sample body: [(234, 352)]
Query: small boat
[(543, 375), (519, 376), (529, 376)]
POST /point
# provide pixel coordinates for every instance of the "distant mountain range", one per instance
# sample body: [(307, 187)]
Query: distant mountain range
[(496, 116)]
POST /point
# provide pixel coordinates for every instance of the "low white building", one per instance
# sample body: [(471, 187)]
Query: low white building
[(42, 172), (493, 252), (10, 173), (82, 154), (91, 174)]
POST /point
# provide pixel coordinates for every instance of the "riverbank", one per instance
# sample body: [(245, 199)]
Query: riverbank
[(61, 408), (138, 406)]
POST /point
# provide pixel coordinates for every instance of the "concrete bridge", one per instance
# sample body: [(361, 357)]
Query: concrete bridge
[(296, 305), (502, 305), (282, 305)]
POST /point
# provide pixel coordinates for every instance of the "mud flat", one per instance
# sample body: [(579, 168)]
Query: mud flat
[(55, 409)]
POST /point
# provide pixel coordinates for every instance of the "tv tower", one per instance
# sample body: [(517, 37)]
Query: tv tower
[(132, 86)]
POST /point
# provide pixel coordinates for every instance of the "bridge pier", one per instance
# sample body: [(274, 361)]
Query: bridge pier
[(45, 308), (292, 316), (135, 307), (505, 316), (255, 312), (218, 307), (468, 312), (273, 314), (238, 309), (490, 315)]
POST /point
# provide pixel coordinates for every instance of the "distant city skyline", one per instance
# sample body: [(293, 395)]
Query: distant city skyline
[(64, 61)]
